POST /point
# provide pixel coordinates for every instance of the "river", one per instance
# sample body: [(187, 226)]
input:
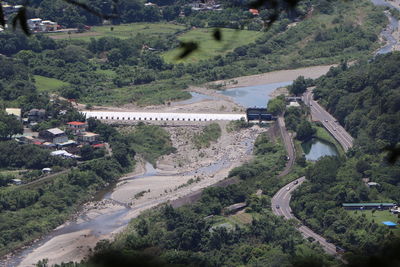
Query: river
[(248, 96), (387, 33)]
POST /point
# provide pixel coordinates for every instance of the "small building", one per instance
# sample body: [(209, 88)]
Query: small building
[(390, 224), (88, 137), (14, 111), (293, 104), (372, 184), (36, 115), (368, 206), (77, 127), (46, 170), (16, 181), (63, 154), (54, 135)]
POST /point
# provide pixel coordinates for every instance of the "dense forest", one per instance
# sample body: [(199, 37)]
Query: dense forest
[(364, 98)]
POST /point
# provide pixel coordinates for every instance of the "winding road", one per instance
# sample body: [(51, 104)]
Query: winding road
[(280, 206), (280, 203)]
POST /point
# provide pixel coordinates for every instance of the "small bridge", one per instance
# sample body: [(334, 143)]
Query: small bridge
[(160, 116)]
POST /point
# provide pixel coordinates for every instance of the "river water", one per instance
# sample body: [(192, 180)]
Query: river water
[(253, 96), (249, 96)]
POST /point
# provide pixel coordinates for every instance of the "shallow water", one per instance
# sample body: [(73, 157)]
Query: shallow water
[(196, 97), (253, 96)]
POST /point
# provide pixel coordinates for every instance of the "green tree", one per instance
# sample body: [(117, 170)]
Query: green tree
[(9, 126), (277, 105), (299, 86), (304, 130)]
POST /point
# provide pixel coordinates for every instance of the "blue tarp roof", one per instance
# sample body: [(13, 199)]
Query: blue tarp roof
[(389, 223)]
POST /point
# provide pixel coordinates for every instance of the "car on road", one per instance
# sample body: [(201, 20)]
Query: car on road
[(334, 129), (288, 188), (277, 206), (326, 120), (296, 182)]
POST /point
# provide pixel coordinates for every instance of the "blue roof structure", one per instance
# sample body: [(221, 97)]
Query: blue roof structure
[(389, 223)]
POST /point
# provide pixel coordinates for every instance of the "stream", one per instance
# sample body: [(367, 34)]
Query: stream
[(387, 33)]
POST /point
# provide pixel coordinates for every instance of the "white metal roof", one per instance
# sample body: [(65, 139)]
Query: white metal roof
[(162, 116), (55, 131)]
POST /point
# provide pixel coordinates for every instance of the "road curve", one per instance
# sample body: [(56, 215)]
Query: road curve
[(280, 205), (318, 113), (288, 142)]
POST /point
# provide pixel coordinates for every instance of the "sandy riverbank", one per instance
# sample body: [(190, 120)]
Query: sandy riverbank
[(171, 182), (275, 76)]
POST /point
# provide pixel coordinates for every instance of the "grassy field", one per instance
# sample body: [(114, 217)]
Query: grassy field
[(208, 47), (123, 31), (378, 216), (45, 84)]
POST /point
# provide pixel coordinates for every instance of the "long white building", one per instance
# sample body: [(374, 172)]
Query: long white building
[(155, 116)]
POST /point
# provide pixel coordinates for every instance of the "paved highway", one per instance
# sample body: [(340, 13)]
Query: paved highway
[(318, 113), (280, 206)]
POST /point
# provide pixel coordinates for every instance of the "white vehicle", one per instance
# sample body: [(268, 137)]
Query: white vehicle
[(288, 188)]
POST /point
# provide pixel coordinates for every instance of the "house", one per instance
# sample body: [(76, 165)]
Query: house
[(77, 127), (16, 181), (14, 111), (36, 25), (39, 25), (49, 26), (88, 137), (54, 135), (35, 115)]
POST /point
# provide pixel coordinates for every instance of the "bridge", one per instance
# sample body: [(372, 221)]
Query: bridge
[(161, 116), (260, 114)]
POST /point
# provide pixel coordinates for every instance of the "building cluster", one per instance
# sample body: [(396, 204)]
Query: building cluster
[(205, 5), (39, 25), (66, 143), (35, 24)]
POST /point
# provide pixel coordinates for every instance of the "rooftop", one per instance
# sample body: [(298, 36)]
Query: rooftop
[(55, 131), (88, 134), (389, 223), (76, 123), (14, 111), (366, 204)]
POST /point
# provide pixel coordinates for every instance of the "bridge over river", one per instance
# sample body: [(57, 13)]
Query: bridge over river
[(161, 116)]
